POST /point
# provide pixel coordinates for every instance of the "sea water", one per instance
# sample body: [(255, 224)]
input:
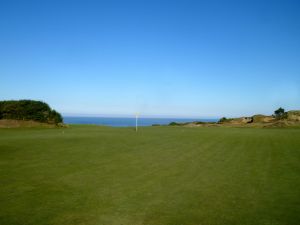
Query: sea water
[(128, 122)]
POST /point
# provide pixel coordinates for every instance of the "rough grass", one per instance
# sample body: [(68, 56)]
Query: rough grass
[(8, 123), (160, 175)]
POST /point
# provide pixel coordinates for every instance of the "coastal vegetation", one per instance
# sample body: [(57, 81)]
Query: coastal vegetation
[(28, 110), (280, 114), (280, 118)]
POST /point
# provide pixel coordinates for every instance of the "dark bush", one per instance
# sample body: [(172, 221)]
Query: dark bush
[(174, 124), (29, 110), (280, 114), (200, 122), (223, 119)]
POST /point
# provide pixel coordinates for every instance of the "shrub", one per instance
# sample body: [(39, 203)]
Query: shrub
[(223, 119), (174, 124), (280, 114), (29, 110)]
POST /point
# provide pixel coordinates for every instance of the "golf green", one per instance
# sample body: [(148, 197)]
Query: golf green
[(159, 175)]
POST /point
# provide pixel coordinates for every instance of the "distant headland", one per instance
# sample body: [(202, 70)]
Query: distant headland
[(280, 118)]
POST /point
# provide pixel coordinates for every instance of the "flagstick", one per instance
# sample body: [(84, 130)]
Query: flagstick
[(136, 122)]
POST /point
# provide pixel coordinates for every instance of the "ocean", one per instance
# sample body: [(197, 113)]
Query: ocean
[(128, 122)]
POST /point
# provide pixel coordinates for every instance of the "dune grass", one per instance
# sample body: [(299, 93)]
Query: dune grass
[(160, 175)]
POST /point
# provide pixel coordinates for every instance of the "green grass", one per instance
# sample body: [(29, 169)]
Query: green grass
[(160, 175)]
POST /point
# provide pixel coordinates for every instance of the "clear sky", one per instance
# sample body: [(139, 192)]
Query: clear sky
[(159, 58)]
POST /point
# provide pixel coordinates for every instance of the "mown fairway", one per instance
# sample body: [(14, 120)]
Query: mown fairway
[(161, 175)]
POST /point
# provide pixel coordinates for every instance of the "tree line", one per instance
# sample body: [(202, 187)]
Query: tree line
[(29, 110)]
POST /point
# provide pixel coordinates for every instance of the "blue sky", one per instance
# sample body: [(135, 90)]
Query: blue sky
[(159, 58)]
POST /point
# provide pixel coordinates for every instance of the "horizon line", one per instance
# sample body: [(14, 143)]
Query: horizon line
[(133, 116)]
